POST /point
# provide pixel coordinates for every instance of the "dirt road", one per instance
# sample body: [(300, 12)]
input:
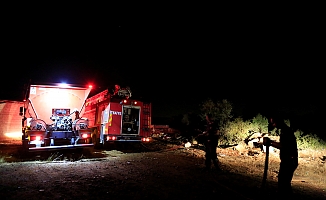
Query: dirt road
[(170, 173)]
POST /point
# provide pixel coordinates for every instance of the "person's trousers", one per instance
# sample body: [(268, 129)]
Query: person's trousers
[(285, 175), (210, 156)]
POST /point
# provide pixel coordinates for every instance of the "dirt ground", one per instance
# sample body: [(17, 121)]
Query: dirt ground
[(156, 171)]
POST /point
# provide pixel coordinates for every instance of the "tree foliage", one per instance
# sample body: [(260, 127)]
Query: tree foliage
[(220, 110)]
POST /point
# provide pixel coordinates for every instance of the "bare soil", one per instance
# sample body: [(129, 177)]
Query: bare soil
[(158, 170)]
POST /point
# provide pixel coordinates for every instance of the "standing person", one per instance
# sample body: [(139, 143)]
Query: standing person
[(288, 155), (210, 141)]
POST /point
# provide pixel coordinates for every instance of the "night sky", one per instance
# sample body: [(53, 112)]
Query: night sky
[(176, 60)]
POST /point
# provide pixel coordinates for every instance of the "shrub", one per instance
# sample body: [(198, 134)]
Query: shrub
[(238, 130), (2, 159), (234, 131), (259, 124), (309, 141)]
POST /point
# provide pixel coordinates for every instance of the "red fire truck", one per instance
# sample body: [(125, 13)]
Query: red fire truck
[(118, 118), (62, 116)]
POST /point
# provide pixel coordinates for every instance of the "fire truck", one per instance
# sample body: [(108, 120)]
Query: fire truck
[(52, 117), (117, 118), (64, 117)]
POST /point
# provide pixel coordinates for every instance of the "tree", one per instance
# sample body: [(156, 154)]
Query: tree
[(221, 110)]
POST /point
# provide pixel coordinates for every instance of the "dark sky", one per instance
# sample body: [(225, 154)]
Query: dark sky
[(175, 60)]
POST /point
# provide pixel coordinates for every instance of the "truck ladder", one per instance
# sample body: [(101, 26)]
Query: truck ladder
[(146, 121)]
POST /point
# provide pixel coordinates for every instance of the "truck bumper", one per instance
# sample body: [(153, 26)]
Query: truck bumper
[(53, 148)]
